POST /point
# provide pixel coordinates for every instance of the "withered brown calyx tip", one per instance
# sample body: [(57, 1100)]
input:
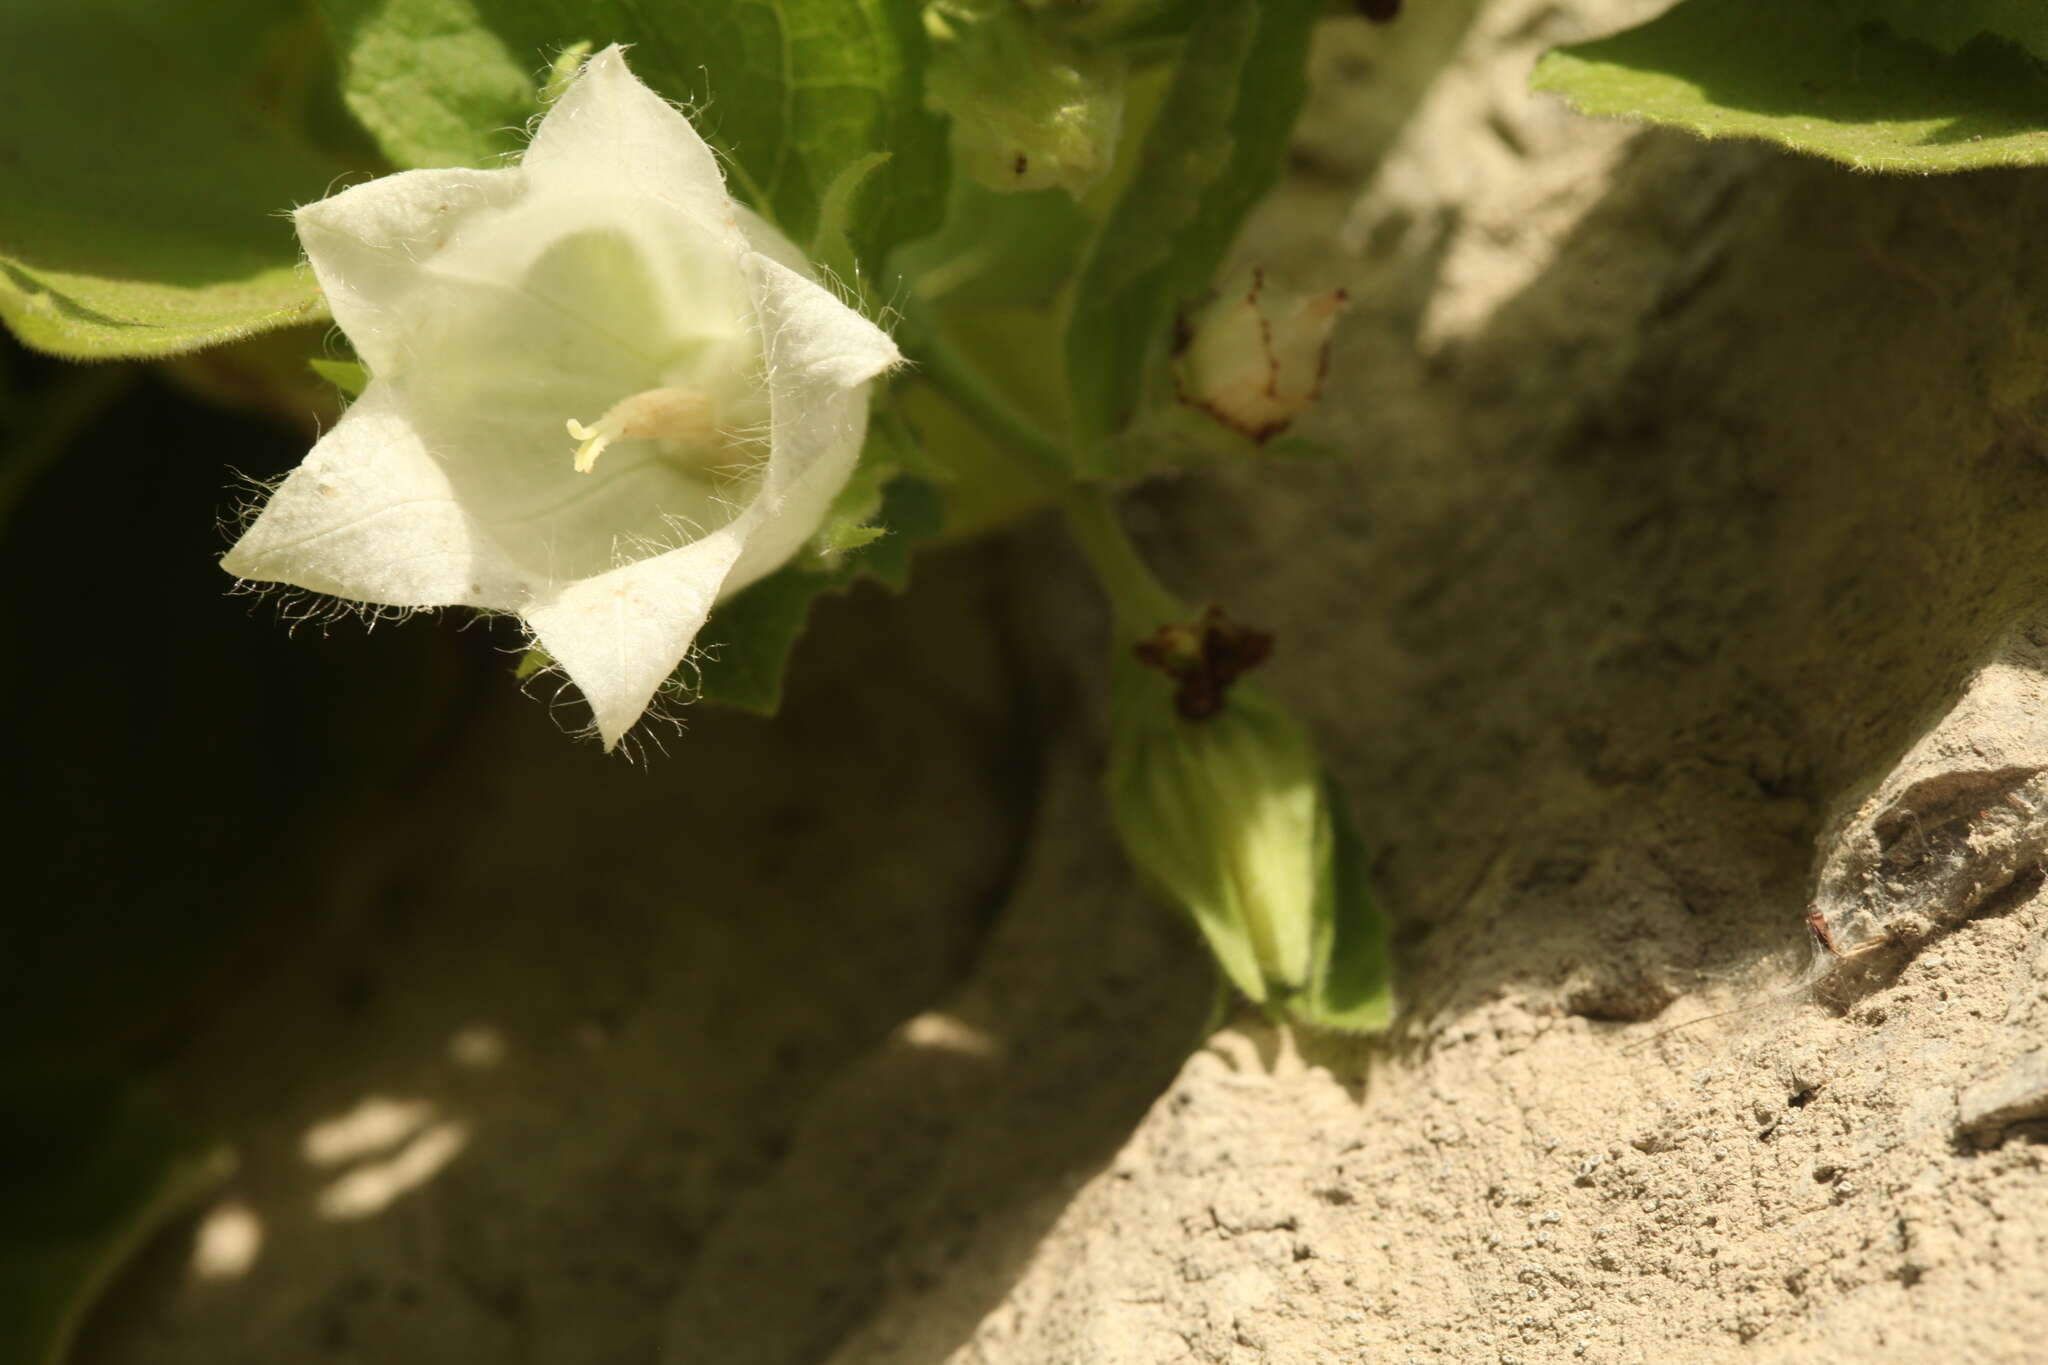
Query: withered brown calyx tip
[(1204, 657)]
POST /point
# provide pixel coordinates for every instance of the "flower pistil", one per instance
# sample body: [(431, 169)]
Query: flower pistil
[(684, 420)]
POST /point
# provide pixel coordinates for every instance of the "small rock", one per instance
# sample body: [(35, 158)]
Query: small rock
[(2020, 1092)]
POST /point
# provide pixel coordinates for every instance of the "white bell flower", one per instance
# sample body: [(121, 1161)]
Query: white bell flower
[(603, 395)]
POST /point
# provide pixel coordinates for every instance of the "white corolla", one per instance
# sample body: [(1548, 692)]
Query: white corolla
[(603, 395)]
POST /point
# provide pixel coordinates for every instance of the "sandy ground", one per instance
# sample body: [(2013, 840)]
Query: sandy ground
[(1675, 567)]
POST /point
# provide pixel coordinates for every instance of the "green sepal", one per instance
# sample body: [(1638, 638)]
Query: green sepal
[(839, 537), (1880, 85), (1351, 988), (532, 663), (852, 520), (347, 375), (566, 66)]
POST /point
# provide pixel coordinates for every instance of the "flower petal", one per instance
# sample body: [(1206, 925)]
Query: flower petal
[(609, 134), (813, 337), (493, 372), (821, 355), (621, 634), (371, 515), (768, 239), (368, 245)]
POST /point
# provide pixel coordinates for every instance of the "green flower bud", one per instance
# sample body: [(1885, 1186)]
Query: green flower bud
[(1223, 807), (1221, 803)]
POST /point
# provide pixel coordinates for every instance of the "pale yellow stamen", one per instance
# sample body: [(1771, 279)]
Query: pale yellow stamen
[(681, 415)]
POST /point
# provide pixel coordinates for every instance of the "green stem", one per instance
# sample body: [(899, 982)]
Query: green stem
[(1142, 604)]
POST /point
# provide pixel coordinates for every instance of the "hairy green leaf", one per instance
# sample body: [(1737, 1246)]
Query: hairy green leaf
[(745, 647), (1831, 78), (1215, 146), (792, 92), (148, 156), (432, 83), (831, 249)]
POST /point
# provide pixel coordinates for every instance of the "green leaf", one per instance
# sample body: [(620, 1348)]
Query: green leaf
[(147, 158), (745, 647), (87, 1173), (1351, 990), (1827, 78), (1030, 109), (1132, 24), (1216, 145), (790, 91), (432, 83), (831, 249), (1954, 24), (1011, 250)]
